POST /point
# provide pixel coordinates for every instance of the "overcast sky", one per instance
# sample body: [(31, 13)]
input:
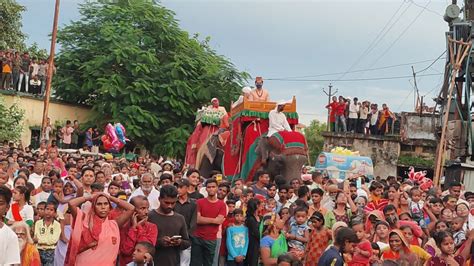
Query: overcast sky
[(282, 39)]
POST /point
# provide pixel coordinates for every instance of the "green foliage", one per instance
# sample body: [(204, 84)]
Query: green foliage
[(134, 65), (10, 25), (36, 52), (415, 161), (314, 138), (11, 121)]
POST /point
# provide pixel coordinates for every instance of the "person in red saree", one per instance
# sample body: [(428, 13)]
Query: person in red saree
[(385, 116), (95, 239)]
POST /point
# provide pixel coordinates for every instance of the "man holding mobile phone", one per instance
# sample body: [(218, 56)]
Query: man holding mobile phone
[(172, 229)]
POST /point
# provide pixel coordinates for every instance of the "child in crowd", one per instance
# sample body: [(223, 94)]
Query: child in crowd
[(363, 250), (57, 195), (47, 233), (299, 233), (316, 196), (375, 259), (114, 188), (45, 192), (445, 242), (458, 232), (415, 205), (124, 184), (143, 254), (237, 240), (270, 206), (230, 208), (319, 239), (40, 210)]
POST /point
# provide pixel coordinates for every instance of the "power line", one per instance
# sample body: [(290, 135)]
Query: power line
[(426, 68), (404, 100), (361, 70), (374, 41), (427, 9), (400, 36), (361, 79)]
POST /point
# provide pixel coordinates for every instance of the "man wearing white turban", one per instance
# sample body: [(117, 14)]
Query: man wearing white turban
[(277, 119)]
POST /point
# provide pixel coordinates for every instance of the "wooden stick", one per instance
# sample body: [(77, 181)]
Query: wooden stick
[(464, 48)]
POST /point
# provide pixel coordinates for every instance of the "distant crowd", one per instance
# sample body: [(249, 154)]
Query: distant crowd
[(351, 115), (22, 73)]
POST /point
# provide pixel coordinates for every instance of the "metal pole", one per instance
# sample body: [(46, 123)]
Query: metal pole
[(50, 68), (329, 94), (329, 102)]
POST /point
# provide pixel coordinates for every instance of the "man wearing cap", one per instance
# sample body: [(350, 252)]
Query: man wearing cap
[(186, 207), (277, 120), (259, 94)]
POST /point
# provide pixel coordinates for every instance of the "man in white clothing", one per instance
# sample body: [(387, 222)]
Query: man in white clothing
[(277, 120), (9, 244), (353, 115), (148, 190), (37, 176)]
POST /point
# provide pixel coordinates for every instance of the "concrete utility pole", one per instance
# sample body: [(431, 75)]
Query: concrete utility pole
[(329, 94), (49, 78)]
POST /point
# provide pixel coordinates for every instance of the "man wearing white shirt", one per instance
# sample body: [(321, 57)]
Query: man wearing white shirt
[(277, 120), (37, 176), (148, 190), (353, 115), (9, 246)]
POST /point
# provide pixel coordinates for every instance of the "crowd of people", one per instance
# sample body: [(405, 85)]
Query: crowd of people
[(22, 73), (66, 209), (351, 115)]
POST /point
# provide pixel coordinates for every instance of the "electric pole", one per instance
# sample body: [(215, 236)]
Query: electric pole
[(417, 93), (49, 78), (329, 94)]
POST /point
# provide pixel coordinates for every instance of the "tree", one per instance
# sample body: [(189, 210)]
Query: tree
[(10, 24), (11, 121), (314, 138), (36, 52), (132, 63)]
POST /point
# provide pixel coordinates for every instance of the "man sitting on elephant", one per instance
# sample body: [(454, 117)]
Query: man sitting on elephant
[(277, 120)]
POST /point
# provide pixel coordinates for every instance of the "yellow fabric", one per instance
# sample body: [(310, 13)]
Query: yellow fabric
[(48, 236), (421, 253)]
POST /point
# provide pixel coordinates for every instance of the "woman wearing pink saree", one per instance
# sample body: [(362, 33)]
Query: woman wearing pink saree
[(95, 239)]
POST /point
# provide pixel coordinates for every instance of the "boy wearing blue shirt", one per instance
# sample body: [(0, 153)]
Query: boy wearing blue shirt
[(237, 240)]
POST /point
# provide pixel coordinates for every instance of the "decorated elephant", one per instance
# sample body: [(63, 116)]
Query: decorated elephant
[(284, 154), (209, 156)]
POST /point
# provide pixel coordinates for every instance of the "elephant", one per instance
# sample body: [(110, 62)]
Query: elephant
[(209, 157), (279, 160), (272, 157)]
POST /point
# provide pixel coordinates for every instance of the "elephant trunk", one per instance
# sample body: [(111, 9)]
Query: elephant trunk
[(293, 166)]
